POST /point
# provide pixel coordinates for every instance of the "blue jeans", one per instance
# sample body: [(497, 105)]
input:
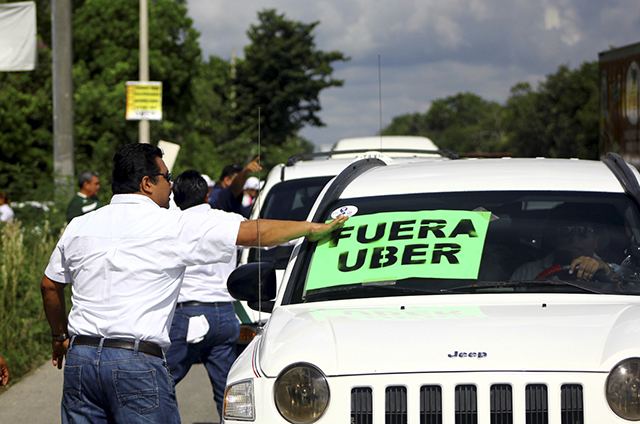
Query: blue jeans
[(217, 351), (105, 385)]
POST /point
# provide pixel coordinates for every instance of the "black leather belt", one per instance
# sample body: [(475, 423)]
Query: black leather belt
[(194, 303), (129, 344)]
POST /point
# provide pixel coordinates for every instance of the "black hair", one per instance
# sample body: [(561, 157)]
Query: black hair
[(190, 189), (131, 163), (229, 171), (86, 176)]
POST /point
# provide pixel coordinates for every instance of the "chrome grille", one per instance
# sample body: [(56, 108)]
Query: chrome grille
[(361, 406), (466, 405), (571, 404), (395, 400), (536, 401), (501, 404), (431, 405), (501, 408)]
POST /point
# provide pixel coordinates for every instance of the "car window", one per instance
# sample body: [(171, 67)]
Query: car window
[(292, 200), (288, 200), (473, 242)]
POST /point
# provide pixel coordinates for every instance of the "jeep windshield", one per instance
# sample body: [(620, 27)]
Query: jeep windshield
[(476, 242)]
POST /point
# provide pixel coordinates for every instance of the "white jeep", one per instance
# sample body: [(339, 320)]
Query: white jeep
[(411, 312), (291, 189)]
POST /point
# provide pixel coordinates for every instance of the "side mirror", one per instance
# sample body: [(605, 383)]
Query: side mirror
[(254, 282)]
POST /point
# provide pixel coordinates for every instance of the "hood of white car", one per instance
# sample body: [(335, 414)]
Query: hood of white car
[(496, 332)]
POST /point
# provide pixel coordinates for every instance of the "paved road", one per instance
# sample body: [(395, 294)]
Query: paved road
[(36, 399)]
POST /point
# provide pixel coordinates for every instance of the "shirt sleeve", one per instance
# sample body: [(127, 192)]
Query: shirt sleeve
[(208, 238), (56, 270)]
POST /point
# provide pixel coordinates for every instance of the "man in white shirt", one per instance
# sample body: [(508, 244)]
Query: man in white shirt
[(204, 326), (6, 213), (125, 263)]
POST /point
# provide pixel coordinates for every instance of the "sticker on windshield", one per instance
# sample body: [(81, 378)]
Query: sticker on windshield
[(396, 245), (344, 210)]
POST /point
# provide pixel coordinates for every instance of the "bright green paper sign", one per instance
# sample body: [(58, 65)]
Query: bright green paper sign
[(396, 245)]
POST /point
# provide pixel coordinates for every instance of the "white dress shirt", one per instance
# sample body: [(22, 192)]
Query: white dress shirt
[(208, 283), (126, 261)]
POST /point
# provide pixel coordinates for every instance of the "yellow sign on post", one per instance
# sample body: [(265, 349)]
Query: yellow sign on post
[(144, 100)]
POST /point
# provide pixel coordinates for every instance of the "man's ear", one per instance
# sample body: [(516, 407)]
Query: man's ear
[(146, 185)]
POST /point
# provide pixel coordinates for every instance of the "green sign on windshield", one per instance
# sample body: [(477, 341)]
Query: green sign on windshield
[(396, 245)]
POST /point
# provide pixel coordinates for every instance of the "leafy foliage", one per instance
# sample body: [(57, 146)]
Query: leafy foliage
[(25, 336), (560, 119), (107, 56), (282, 74)]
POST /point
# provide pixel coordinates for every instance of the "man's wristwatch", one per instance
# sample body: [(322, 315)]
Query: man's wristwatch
[(59, 338)]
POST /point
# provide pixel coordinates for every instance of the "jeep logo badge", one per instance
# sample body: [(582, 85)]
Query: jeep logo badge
[(457, 354)]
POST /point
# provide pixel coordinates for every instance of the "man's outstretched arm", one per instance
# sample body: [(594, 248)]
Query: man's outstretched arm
[(271, 232)]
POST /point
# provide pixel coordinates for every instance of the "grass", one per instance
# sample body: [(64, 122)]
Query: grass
[(25, 337)]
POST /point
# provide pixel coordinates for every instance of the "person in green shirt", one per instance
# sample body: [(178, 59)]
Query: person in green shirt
[(86, 200)]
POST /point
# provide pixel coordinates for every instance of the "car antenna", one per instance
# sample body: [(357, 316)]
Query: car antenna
[(259, 241), (380, 98)]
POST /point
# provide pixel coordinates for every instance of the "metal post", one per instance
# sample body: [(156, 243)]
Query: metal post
[(63, 163), (144, 63)]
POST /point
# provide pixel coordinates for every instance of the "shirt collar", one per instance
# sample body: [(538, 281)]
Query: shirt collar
[(132, 198), (201, 208)]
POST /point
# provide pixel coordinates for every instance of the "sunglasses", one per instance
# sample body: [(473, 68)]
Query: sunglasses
[(581, 231), (167, 176)]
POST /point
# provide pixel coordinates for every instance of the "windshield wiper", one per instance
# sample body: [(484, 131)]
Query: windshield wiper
[(527, 283), (379, 288)]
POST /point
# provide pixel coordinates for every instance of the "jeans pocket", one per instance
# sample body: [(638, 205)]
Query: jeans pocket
[(137, 390), (72, 386)]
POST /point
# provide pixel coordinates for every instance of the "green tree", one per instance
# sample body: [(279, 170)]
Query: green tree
[(208, 122), (464, 123), (282, 74), (26, 123), (408, 124), (560, 119), (106, 34), (105, 45)]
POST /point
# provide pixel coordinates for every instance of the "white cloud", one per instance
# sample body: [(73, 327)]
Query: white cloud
[(429, 49)]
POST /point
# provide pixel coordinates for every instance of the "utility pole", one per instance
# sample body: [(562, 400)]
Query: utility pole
[(63, 163), (144, 64)]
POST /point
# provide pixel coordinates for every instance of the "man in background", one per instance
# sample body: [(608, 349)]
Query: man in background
[(86, 200), (251, 189), (204, 325), (227, 194), (6, 213)]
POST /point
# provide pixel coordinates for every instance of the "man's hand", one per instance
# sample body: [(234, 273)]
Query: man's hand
[(318, 231), (587, 267), (4, 372), (59, 352), (253, 166), (237, 184)]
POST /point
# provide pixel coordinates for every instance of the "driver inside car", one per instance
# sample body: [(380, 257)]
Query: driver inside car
[(575, 237)]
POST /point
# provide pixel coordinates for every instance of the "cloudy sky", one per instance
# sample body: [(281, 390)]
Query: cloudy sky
[(428, 49)]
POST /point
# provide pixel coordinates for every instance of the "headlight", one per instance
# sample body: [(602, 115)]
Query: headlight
[(301, 393), (238, 402), (623, 389)]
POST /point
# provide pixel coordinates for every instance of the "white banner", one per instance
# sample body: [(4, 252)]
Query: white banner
[(18, 36)]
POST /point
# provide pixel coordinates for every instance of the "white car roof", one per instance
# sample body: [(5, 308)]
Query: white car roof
[(386, 143), (485, 175), (314, 168)]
